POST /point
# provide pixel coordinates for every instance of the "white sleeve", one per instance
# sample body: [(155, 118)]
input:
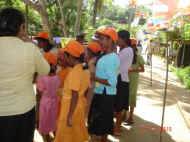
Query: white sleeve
[(41, 65), (126, 59)]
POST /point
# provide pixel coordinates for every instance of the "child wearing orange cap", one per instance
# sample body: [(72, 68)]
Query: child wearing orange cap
[(93, 51), (71, 122), (100, 120), (64, 66), (44, 43), (47, 87), (62, 73)]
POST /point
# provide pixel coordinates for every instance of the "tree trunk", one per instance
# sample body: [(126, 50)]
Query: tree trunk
[(131, 17), (63, 23), (40, 7), (78, 18), (94, 13), (45, 21)]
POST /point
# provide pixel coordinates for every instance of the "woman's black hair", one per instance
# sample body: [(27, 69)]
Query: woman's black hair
[(139, 43), (94, 54), (53, 68), (80, 59), (125, 35), (135, 50), (48, 46), (10, 21)]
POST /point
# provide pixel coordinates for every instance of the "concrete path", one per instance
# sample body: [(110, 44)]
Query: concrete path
[(149, 109)]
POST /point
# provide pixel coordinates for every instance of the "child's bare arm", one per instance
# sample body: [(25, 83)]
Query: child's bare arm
[(72, 108)]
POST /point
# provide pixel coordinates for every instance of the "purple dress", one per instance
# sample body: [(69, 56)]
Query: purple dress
[(48, 85)]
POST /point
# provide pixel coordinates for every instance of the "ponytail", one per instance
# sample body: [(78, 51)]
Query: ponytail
[(135, 56)]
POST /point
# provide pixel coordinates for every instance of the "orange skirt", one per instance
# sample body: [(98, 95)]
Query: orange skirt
[(78, 132)]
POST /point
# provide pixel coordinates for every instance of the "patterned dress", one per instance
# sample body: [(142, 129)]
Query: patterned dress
[(48, 85)]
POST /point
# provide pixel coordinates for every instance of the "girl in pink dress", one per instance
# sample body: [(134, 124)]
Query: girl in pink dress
[(48, 86)]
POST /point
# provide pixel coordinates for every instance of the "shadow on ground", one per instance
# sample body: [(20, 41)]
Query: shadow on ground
[(144, 131), (156, 91), (176, 93)]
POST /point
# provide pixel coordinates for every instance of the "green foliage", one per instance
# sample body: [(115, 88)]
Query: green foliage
[(176, 45), (144, 10), (184, 75), (89, 33), (115, 13), (108, 14), (100, 6), (34, 18), (104, 22), (12, 3), (34, 21)]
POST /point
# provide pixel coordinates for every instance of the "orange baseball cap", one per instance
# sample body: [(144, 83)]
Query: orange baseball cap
[(100, 29), (94, 47), (74, 48), (111, 32), (51, 58), (43, 35)]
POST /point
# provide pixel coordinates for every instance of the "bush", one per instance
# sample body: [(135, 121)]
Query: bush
[(184, 75)]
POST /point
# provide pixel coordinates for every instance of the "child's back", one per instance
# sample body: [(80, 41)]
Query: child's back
[(48, 86)]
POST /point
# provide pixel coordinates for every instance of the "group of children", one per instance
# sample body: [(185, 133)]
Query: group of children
[(87, 86)]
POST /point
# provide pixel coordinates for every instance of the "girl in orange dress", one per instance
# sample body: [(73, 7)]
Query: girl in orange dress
[(62, 73), (64, 68), (71, 123)]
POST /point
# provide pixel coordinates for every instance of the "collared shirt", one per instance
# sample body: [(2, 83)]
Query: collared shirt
[(107, 68), (126, 59), (77, 80), (18, 63)]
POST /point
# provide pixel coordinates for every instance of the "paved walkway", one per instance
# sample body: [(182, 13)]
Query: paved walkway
[(149, 110)]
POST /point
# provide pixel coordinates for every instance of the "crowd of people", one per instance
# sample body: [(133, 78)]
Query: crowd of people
[(81, 88)]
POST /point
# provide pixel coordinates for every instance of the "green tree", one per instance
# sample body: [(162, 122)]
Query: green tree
[(41, 7), (63, 24), (97, 7), (78, 16)]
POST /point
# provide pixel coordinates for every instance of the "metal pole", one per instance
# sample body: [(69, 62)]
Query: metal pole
[(165, 94), (150, 60), (151, 69)]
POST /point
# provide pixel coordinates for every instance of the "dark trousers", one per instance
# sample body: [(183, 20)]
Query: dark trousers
[(18, 128), (122, 97), (100, 119)]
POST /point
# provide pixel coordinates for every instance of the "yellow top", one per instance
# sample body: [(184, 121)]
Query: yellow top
[(63, 74), (77, 80), (18, 63)]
